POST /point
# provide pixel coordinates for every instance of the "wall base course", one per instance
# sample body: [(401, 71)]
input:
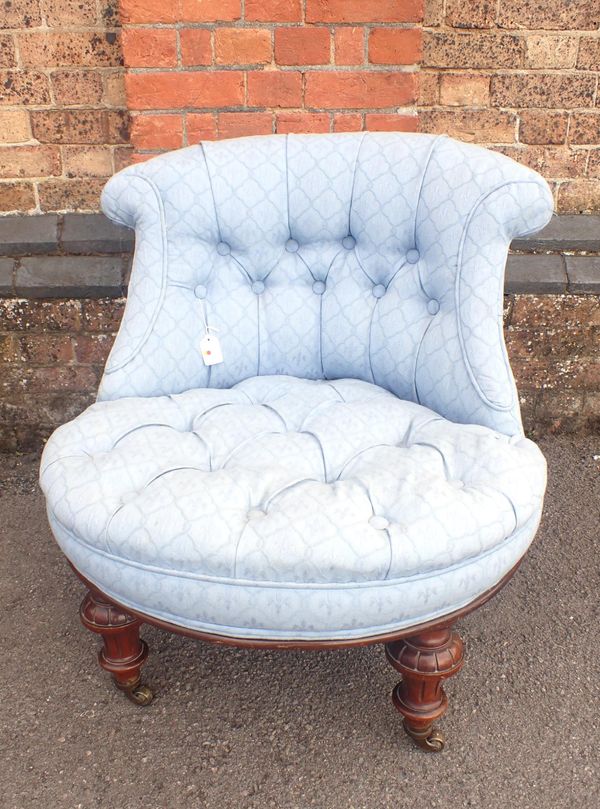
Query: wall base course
[(52, 351)]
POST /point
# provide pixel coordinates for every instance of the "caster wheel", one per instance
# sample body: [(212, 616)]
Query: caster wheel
[(140, 694), (427, 739)]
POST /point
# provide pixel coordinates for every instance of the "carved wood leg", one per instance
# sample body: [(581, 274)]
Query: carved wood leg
[(123, 653), (424, 661)]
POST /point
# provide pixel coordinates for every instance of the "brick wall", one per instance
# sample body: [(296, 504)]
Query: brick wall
[(221, 68), (518, 75), (521, 76), (63, 118)]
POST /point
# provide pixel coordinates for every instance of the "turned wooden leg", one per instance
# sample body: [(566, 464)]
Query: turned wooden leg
[(123, 653), (424, 661)]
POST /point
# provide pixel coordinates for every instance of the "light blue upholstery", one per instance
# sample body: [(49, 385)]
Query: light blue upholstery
[(357, 463)]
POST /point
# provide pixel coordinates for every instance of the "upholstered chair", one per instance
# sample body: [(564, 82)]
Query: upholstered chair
[(307, 434)]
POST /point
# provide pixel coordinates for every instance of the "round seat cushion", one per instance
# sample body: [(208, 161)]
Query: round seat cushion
[(286, 508)]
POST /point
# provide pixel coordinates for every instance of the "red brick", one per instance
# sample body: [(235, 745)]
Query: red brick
[(200, 126), (102, 316), (55, 378), (359, 89), (364, 10), (43, 349), (391, 123), (16, 196), (273, 10), (144, 47), (29, 161), (92, 349), (349, 46), (195, 46), (156, 91), (210, 10), (157, 131), (302, 46), (274, 89), (238, 124), (347, 122), (395, 46), (242, 46), (148, 11), (302, 122), (40, 316)]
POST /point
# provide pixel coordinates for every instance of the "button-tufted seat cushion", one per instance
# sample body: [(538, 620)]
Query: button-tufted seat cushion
[(286, 507)]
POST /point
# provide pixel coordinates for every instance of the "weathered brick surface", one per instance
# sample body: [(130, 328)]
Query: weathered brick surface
[(518, 75), (62, 104), (533, 64), (52, 354)]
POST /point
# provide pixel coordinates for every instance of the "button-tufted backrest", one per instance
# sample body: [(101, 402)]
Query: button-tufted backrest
[(377, 256)]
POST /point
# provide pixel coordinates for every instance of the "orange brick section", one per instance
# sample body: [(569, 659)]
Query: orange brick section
[(150, 47), (302, 46), (262, 66), (178, 90), (242, 46), (366, 90), (365, 11), (395, 46)]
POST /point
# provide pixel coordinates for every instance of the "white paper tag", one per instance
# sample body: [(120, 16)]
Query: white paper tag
[(211, 350)]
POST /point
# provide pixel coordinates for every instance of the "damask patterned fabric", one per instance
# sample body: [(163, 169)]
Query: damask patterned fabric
[(356, 463)]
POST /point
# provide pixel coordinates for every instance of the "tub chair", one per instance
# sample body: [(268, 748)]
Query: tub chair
[(307, 434)]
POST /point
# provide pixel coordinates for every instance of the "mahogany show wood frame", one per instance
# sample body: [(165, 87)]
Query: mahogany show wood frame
[(425, 655)]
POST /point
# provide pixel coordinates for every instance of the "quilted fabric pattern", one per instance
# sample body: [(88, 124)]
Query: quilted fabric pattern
[(356, 464), (290, 481), (377, 256)]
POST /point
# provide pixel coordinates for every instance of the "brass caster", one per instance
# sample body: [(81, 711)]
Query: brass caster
[(138, 693), (427, 739)]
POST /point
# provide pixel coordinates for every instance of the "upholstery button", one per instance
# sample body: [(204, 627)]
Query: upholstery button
[(223, 249), (349, 242), (318, 287), (433, 306), (379, 523), (200, 291), (413, 256), (255, 513), (378, 291), (258, 287), (292, 246)]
